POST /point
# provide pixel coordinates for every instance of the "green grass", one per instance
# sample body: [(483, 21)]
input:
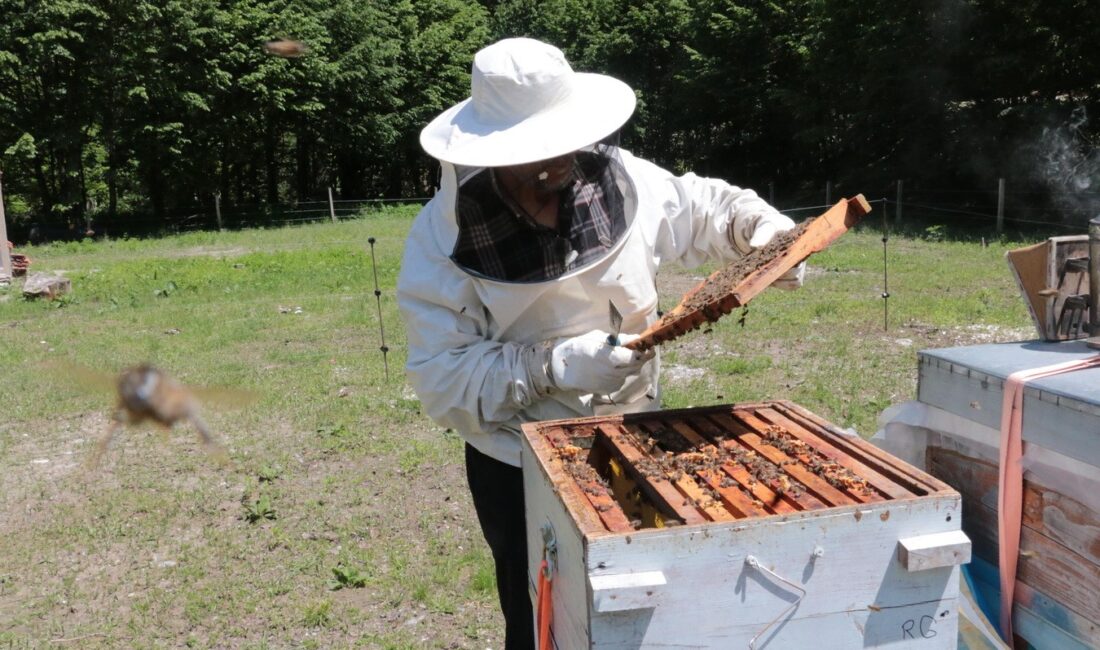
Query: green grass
[(334, 473), (336, 478)]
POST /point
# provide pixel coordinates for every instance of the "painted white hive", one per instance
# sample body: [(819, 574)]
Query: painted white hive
[(781, 532)]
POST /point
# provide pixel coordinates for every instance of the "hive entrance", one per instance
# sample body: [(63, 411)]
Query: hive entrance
[(694, 466)]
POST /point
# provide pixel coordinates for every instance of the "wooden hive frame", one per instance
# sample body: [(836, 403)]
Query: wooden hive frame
[(736, 284), (618, 474)]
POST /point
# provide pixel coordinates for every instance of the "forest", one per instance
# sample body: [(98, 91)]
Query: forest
[(133, 116)]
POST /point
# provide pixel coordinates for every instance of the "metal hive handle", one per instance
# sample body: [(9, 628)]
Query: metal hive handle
[(753, 562)]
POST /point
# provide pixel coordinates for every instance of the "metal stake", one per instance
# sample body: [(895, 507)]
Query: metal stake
[(885, 270), (378, 300), (6, 270)]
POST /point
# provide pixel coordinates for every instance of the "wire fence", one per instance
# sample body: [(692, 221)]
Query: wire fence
[(993, 213), (983, 212), (202, 217)]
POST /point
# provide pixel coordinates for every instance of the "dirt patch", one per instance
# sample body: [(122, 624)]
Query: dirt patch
[(923, 336)]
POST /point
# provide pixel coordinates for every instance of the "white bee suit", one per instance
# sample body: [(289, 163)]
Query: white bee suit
[(467, 334)]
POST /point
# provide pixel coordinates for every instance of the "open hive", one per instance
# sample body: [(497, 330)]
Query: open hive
[(719, 464), (752, 525)]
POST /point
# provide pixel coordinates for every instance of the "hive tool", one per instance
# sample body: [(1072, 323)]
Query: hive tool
[(616, 323)]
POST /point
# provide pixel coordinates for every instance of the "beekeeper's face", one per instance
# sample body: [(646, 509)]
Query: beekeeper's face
[(545, 176)]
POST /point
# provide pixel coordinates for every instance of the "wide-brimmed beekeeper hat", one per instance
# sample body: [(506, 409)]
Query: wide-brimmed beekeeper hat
[(526, 104)]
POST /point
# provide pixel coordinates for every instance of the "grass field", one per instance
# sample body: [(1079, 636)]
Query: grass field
[(342, 519)]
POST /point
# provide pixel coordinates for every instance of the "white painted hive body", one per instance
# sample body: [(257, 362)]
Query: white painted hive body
[(747, 526)]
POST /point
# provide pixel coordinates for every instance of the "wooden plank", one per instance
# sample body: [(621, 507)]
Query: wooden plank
[(915, 479), (769, 500), (784, 465), (657, 488), (738, 498), (627, 591), (876, 480), (547, 505), (935, 551), (824, 452), (819, 485), (691, 488), (712, 298), (1036, 617), (586, 494), (805, 498), (1059, 558), (1044, 564), (1066, 521)]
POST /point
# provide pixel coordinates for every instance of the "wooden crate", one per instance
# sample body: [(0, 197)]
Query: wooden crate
[(755, 525)]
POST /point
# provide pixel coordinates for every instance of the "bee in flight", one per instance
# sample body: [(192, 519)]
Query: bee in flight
[(286, 48), (146, 393)]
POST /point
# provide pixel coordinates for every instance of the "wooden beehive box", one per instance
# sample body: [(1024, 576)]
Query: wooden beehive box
[(754, 525), (1058, 575)]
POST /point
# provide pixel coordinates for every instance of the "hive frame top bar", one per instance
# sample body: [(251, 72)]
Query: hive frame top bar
[(741, 462)]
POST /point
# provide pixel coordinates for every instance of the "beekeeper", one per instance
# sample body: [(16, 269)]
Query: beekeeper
[(539, 223)]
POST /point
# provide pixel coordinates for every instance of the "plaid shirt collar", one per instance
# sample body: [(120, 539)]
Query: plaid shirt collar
[(497, 239)]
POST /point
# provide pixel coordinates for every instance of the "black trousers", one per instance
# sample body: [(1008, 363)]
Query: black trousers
[(497, 489)]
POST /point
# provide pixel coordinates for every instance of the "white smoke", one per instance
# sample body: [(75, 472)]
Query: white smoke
[(1071, 159)]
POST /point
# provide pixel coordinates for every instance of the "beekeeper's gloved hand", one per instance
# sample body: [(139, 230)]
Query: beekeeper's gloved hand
[(589, 364), (756, 232)]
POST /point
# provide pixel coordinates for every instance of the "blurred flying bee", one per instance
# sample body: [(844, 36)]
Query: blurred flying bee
[(145, 393), (286, 48)]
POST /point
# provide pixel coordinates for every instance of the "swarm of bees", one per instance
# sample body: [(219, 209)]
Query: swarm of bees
[(148, 394)]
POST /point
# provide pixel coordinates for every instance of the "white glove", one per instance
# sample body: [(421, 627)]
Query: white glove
[(749, 233), (757, 232), (589, 364)]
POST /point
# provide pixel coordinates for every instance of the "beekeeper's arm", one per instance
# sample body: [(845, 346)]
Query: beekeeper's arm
[(470, 383), (709, 219)]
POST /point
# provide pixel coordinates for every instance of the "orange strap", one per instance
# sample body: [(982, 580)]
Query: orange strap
[(1011, 478), (543, 611)]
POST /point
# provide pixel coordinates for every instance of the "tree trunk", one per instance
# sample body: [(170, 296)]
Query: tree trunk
[(271, 167), (224, 174), (156, 188), (44, 193), (302, 170)]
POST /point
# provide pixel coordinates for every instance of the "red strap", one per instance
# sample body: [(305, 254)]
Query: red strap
[(1010, 486), (543, 610)]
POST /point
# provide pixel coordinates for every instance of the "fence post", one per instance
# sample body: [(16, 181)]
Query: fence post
[(218, 209), (897, 204), (331, 206), (1000, 205), (5, 254), (828, 193)]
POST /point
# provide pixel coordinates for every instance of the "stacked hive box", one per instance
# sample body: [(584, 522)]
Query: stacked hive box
[(757, 525), (954, 429)]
